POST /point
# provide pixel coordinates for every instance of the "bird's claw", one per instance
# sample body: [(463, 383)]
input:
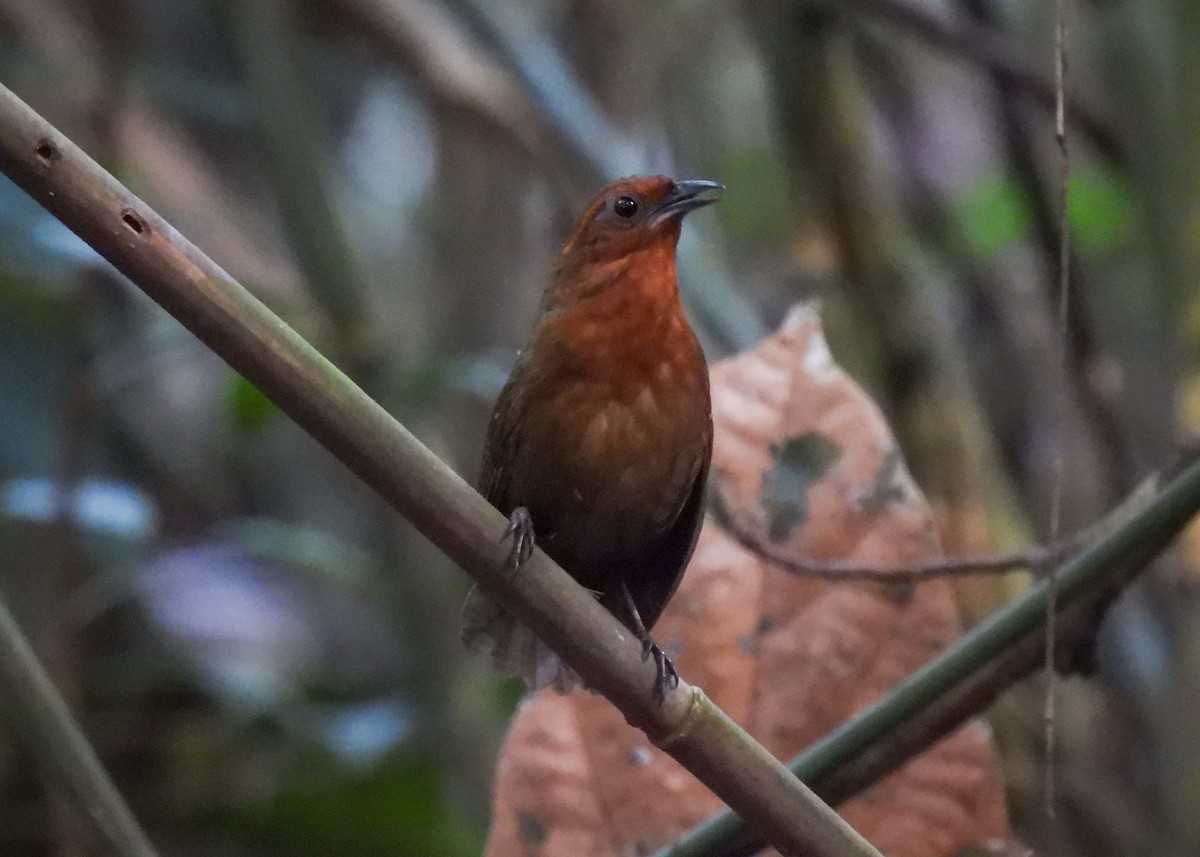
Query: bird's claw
[(520, 528), (667, 675)]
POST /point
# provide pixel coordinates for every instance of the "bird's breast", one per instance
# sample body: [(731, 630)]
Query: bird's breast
[(614, 418), (619, 451)]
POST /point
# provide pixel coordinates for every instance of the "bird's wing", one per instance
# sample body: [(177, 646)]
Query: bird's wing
[(669, 556), (686, 528), (499, 446)]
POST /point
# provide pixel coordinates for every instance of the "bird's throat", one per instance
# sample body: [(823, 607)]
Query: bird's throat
[(630, 322)]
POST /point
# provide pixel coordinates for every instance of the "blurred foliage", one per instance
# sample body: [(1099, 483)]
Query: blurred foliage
[(995, 216), (266, 658), (251, 409)]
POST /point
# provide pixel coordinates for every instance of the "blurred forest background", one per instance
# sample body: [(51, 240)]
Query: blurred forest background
[(266, 657)]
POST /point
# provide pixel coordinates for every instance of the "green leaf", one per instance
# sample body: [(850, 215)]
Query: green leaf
[(1101, 210), (251, 409), (993, 214)]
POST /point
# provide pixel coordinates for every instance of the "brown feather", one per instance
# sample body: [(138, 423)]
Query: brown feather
[(603, 431)]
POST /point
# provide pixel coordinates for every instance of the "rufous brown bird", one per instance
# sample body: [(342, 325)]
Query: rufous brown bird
[(601, 439)]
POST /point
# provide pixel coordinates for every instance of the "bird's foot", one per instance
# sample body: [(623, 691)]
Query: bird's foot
[(667, 676), (520, 528)]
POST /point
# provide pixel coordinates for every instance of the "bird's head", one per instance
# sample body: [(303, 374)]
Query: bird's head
[(628, 236), (636, 212)]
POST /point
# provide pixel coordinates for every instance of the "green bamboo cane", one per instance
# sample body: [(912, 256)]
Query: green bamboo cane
[(964, 679)]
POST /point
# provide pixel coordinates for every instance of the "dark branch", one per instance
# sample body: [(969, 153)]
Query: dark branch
[(1038, 558), (1035, 558)]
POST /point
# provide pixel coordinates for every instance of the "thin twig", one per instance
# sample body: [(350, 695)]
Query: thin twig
[(1098, 442), (832, 571), (1036, 558), (982, 47), (1064, 305)]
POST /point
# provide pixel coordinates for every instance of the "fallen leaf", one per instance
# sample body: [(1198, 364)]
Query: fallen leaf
[(803, 459)]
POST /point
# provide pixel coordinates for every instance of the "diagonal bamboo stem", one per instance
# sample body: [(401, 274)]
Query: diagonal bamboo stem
[(41, 715), (328, 405), (965, 679)]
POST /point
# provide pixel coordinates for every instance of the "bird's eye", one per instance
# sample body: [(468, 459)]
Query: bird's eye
[(626, 206)]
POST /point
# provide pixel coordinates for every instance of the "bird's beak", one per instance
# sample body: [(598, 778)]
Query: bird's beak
[(686, 196)]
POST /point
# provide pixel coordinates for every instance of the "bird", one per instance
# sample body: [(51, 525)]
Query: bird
[(599, 444)]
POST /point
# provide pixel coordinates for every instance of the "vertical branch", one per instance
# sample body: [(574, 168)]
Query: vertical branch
[(1100, 468), (1064, 305)]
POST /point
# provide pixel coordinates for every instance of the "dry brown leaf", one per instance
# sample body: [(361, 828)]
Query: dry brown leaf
[(803, 458)]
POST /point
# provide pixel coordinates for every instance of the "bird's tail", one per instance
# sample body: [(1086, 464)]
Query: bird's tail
[(513, 648)]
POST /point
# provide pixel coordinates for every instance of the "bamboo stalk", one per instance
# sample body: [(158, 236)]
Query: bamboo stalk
[(38, 711), (381, 452)]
